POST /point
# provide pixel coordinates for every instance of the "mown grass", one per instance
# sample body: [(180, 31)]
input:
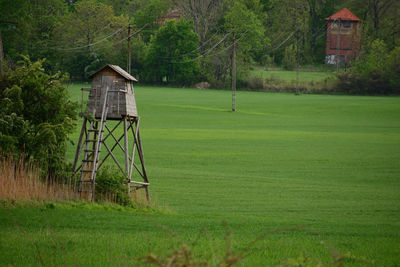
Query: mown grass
[(327, 162)]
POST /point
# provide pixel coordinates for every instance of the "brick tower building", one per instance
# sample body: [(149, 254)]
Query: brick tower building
[(343, 40)]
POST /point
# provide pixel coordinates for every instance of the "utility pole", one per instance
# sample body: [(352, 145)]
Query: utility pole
[(128, 58), (298, 62), (1, 55), (1, 44), (338, 46), (233, 72), (296, 22)]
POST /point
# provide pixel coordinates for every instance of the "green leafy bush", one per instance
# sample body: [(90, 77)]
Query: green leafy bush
[(36, 115), (111, 185), (376, 73)]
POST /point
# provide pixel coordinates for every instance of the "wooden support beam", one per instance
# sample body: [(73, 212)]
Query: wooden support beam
[(114, 158), (115, 139), (133, 148), (141, 156), (137, 169), (78, 147), (109, 132), (142, 183), (112, 149), (126, 146)]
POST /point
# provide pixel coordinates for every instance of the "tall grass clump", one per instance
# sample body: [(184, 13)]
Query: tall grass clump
[(21, 181)]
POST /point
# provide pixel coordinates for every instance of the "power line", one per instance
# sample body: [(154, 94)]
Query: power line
[(88, 45), (205, 53), (133, 34), (96, 32), (284, 41), (194, 50), (226, 48)]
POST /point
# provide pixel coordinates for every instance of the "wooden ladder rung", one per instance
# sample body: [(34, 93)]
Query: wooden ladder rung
[(89, 160), (141, 183), (90, 140), (87, 171)]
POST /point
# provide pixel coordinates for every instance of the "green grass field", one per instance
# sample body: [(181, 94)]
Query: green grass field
[(330, 163), (284, 75)]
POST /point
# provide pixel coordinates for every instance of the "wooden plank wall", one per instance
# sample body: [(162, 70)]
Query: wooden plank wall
[(121, 98)]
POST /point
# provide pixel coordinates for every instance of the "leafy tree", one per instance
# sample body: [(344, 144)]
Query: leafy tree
[(30, 27), (249, 33), (204, 14), (150, 15), (36, 115), (318, 10), (172, 54), (90, 23), (244, 22)]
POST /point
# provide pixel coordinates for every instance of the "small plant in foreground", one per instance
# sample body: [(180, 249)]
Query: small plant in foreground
[(110, 185), (183, 254)]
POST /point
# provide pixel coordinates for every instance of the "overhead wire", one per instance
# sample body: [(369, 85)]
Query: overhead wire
[(291, 35), (284, 41), (229, 46), (205, 53), (188, 53), (99, 41), (133, 34), (88, 45), (194, 50), (80, 40)]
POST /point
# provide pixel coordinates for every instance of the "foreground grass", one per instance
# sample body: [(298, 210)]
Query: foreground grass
[(327, 162)]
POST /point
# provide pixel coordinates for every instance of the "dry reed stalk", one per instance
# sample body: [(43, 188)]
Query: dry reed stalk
[(21, 181)]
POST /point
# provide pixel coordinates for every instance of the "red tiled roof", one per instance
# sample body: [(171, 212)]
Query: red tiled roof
[(343, 14)]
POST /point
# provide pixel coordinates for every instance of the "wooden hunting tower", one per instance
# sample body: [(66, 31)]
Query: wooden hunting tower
[(343, 40), (111, 98)]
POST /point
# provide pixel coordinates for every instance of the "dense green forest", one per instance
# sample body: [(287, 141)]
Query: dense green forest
[(78, 37)]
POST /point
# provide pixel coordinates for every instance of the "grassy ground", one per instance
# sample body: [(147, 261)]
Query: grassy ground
[(327, 162), (304, 76)]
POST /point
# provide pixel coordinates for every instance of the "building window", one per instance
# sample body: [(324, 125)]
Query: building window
[(347, 25)]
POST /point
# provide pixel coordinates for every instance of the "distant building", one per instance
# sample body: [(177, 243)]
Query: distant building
[(343, 42), (173, 14)]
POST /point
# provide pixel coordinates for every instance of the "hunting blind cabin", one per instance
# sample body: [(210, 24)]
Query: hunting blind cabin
[(111, 98)]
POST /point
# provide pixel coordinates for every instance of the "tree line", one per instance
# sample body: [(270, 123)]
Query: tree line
[(78, 37)]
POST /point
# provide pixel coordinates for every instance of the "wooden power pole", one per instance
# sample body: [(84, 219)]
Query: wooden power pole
[(338, 46), (233, 72), (128, 57), (1, 55), (298, 61)]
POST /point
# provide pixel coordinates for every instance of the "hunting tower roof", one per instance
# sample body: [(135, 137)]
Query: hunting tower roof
[(117, 69), (343, 14)]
